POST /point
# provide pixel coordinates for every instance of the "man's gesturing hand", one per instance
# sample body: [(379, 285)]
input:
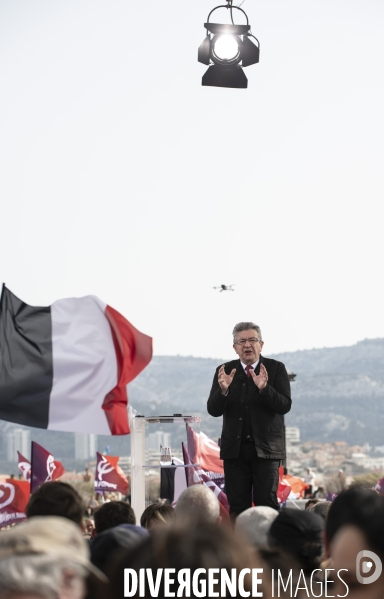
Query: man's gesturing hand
[(225, 379), (261, 379)]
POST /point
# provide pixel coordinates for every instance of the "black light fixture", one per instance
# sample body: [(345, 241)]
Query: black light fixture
[(224, 48)]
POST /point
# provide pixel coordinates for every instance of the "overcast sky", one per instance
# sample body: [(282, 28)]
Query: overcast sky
[(121, 176)]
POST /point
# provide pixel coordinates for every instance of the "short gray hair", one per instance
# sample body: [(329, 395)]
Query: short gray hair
[(254, 523), (39, 574), (198, 504), (245, 326)]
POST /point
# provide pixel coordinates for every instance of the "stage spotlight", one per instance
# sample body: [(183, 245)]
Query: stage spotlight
[(224, 48)]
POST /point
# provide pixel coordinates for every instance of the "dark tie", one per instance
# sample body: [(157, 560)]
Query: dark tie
[(248, 369)]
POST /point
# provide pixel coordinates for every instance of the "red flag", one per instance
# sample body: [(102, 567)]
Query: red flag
[(44, 468), (14, 496), (133, 353), (283, 489), (24, 466), (204, 451), (109, 476), (298, 486)]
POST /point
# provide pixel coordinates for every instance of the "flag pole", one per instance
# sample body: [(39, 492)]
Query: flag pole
[(138, 426)]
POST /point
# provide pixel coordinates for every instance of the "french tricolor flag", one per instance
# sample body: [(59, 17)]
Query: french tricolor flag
[(66, 367)]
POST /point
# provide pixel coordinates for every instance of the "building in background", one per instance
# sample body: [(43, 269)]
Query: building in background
[(18, 439), (85, 446), (158, 438), (292, 435)]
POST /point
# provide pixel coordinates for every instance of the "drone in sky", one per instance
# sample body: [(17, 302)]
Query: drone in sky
[(225, 288)]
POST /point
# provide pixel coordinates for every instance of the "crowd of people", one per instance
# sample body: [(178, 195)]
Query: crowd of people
[(60, 552)]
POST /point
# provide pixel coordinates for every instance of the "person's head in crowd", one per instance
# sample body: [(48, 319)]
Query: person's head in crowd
[(45, 557), (157, 514), (299, 533), (254, 523), (284, 567), (321, 508), (352, 506), (107, 543), (56, 499), (112, 514), (356, 523), (192, 547), (197, 504), (310, 503), (88, 525)]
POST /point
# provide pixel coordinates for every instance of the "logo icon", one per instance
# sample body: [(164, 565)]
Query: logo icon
[(367, 559), (51, 467), (103, 467), (7, 494), (25, 468)]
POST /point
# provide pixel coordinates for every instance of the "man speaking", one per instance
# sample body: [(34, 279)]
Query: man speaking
[(252, 394)]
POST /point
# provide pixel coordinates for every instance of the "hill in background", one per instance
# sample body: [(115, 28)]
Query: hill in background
[(338, 395)]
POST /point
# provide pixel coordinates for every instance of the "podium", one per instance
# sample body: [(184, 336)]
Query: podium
[(138, 425)]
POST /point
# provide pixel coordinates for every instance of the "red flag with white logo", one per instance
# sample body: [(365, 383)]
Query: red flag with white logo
[(14, 496), (24, 466), (109, 476), (204, 451), (44, 467)]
